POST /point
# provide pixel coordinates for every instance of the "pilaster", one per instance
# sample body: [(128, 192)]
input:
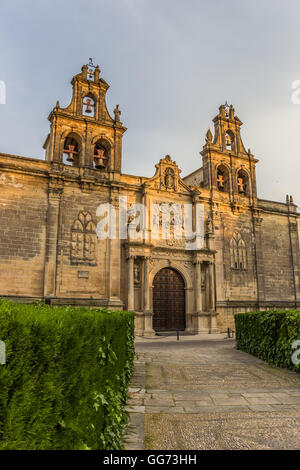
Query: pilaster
[(52, 226)]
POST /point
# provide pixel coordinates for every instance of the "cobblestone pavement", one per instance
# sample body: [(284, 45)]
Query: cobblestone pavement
[(201, 393)]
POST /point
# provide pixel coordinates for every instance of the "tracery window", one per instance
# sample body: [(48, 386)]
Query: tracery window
[(83, 240), (238, 252)]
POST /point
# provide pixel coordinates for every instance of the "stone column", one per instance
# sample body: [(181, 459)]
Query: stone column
[(146, 286), (147, 312), (130, 302), (201, 319), (114, 275), (118, 151), (146, 222), (258, 254), (211, 269), (212, 301), (198, 291), (52, 228)]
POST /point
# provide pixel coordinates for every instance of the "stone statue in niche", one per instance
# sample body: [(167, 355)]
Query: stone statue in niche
[(169, 179), (137, 273), (209, 225)]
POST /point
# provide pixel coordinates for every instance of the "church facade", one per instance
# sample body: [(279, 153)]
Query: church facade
[(76, 230)]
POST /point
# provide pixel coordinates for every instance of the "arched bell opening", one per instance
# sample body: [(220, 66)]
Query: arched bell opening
[(229, 140), (71, 150), (243, 185), (88, 106), (222, 179), (101, 155)]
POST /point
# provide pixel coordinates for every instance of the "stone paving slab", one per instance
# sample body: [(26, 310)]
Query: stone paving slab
[(135, 432), (204, 385), (223, 431), (134, 436)]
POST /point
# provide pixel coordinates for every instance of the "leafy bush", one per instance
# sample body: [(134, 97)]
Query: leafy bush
[(65, 381), (269, 335)]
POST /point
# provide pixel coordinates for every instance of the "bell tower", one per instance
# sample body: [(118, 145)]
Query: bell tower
[(228, 169), (83, 134)]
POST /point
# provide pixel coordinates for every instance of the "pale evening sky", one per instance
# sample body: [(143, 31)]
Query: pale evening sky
[(170, 64)]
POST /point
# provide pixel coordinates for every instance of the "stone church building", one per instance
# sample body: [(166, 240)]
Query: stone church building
[(49, 210)]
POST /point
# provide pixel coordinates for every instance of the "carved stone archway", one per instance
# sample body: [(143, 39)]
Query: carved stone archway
[(185, 271)]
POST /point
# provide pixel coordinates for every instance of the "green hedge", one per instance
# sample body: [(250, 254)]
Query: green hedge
[(269, 335), (65, 381)]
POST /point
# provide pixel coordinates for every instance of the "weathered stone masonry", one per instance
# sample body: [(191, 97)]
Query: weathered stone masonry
[(49, 247)]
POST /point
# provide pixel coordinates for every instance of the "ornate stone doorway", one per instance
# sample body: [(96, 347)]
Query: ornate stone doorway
[(168, 301)]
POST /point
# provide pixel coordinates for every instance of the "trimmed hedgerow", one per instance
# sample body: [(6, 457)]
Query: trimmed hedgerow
[(65, 381), (269, 335)]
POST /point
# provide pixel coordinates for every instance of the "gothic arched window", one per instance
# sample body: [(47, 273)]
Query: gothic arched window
[(71, 150), (243, 182), (83, 240), (238, 252), (222, 178), (101, 154)]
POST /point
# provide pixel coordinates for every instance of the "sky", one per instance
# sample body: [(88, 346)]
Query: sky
[(170, 64)]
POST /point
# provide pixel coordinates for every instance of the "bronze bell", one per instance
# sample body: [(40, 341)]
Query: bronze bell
[(88, 105), (220, 180), (70, 151), (228, 139), (241, 185), (100, 159)]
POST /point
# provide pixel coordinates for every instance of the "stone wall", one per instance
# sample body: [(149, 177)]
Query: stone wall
[(38, 214), (78, 277), (277, 264), (23, 204)]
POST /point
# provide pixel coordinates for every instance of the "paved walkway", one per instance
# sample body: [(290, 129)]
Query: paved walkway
[(201, 393)]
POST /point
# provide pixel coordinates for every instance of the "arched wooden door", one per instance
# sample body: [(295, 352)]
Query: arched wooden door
[(168, 301)]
